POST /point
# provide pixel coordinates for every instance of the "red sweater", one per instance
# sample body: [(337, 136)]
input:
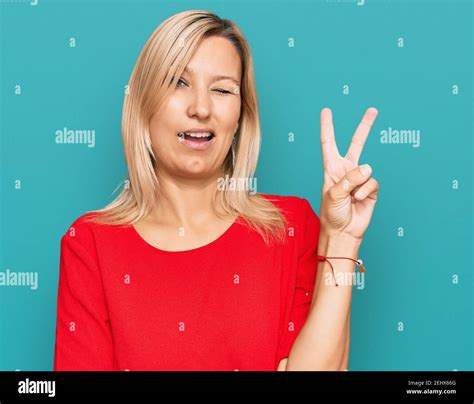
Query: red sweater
[(233, 304)]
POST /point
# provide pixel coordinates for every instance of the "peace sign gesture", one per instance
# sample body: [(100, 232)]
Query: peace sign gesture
[(349, 193)]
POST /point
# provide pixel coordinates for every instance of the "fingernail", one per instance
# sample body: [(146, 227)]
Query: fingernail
[(365, 169)]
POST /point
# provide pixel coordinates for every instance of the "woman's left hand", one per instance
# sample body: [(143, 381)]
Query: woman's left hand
[(349, 195)]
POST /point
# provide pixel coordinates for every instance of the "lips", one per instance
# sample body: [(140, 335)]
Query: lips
[(197, 138)]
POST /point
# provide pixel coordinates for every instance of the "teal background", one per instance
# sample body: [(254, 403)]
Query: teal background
[(409, 278)]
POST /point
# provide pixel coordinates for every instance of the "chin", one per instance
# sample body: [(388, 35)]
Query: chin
[(196, 169)]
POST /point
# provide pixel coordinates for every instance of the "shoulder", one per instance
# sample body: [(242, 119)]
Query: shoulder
[(301, 220), (84, 231), (294, 208)]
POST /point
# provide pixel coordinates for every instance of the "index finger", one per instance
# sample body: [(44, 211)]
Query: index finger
[(328, 142), (360, 135)]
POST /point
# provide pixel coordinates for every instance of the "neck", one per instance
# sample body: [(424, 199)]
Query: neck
[(186, 202)]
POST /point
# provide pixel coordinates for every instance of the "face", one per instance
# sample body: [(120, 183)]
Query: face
[(192, 131)]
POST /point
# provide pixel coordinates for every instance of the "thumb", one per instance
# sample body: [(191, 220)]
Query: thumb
[(352, 180)]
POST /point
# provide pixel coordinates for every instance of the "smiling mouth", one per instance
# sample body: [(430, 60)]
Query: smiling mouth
[(202, 137)]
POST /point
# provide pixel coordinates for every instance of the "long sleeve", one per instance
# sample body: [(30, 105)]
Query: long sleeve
[(305, 278), (83, 333)]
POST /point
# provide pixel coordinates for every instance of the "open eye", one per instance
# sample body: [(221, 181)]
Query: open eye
[(179, 82)]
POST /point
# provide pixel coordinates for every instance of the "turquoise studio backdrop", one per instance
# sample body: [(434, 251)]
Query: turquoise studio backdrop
[(65, 64)]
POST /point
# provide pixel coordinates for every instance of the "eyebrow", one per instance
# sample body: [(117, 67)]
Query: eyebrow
[(215, 78)]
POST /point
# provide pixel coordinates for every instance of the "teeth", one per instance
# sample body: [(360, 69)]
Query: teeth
[(197, 134)]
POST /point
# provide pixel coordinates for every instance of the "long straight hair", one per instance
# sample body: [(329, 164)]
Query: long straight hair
[(155, 74)]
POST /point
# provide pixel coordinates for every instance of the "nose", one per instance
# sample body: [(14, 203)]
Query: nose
[(199, 104)]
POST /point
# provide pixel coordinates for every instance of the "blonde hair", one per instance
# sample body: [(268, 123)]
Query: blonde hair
[(157, 70)]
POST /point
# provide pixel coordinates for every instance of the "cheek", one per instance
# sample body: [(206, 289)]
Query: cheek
[(175, 104), (227, 113), (166, 118)]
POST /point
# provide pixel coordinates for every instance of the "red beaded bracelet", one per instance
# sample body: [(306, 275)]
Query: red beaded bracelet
[(358, 263)]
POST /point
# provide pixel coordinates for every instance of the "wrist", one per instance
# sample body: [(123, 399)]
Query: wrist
[(335, 271), (338, 244)]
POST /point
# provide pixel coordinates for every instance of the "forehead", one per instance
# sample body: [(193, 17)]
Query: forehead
[(215, 56)]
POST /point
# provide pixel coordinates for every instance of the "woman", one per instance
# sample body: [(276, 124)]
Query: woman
[(182, 271)]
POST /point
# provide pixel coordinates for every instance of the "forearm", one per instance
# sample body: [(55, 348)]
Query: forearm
[(323, 342), (345, 361)]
